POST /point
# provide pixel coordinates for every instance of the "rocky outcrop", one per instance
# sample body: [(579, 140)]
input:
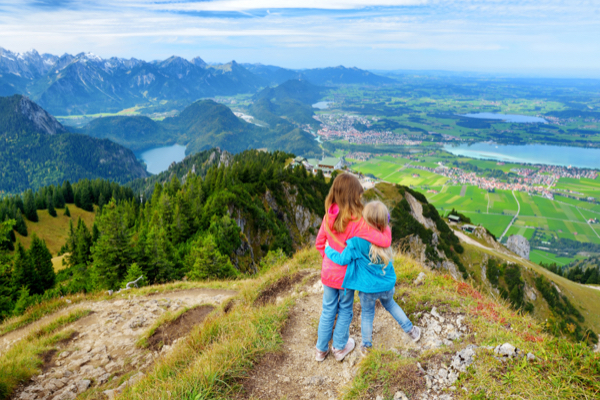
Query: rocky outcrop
[(519, 245), (43, 122), (417, 212)]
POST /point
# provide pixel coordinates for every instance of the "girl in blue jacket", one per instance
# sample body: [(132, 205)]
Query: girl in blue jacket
[(371, 272)]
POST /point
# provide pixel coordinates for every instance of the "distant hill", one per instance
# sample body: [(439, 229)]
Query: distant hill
[(291, 102), (272, 74), (293, 89), (343, 75), (135, 132), (202, 125), (37, 150)]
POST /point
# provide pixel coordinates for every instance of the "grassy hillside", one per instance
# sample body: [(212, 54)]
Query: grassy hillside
[(55, 230), (249, 345)]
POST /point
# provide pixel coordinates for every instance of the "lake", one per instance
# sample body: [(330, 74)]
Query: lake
[(530, 153), (322, 105), (158, 159), (520, 119)]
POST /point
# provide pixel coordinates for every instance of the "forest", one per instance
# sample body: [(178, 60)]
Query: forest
[(185, 227)]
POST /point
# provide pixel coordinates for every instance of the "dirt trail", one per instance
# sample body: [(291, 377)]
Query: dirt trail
[(104, 344), (294, 373)]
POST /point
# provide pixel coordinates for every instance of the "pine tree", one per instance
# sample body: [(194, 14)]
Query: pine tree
[(134, 272), (50, 205), (42, 263), (57, 198), (112, 252), (23, 272), (67, 212), (158, 253), (68, 194), (23, 301), (86, 200), (79, 244), (29, 206), (20, 225), (205, 261), (6, 304)]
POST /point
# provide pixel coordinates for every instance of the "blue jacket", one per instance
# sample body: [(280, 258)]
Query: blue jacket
[(362, 274)]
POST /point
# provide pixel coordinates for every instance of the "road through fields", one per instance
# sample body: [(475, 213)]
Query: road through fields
[(514, 218)]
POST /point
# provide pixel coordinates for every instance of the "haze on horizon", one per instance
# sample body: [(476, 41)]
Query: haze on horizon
[(524, 37)]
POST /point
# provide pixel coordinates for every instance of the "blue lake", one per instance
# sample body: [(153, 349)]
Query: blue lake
[(158, 159), (520, 119), (322, 105), (530, 153)]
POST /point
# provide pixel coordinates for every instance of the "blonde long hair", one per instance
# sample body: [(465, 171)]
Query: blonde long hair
[(346, 192), (377, 215)]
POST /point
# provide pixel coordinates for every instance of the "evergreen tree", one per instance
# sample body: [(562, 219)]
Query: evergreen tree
[(29, 206), (86, 200), (23, 301), (134, 272), (112, 252), (101, 201), (20, 225), (42, 263), (67, 191), (95, 233), (206, 262), (58, 199), (158, 255), (79, 243), (40, 199), (50, 205), (23, 272), (6, 304), (67, 212)]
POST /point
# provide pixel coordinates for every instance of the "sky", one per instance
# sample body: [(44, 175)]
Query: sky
[(524, 37)]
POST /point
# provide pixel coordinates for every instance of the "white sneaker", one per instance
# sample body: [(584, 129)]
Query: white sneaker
[(340, 354), (415, 333)]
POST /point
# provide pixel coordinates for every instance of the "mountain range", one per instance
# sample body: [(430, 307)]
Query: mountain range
[(86, 83), (36, 150)]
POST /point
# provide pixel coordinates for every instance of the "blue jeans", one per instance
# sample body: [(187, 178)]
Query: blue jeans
[(340, 302), (367, 302)]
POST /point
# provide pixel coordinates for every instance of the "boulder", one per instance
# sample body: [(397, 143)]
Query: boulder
[(519, 245)]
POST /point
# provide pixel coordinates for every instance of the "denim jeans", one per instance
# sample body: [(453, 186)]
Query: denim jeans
[(367, 302), (340, 302)]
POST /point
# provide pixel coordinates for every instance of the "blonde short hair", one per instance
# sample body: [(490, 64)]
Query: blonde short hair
[(377, 215)]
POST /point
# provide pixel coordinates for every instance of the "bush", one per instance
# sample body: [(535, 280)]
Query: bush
[(134, 272), (273, 258)]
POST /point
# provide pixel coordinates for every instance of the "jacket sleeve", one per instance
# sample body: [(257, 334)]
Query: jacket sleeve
[(321, 239), (381, 239), (344, 257)]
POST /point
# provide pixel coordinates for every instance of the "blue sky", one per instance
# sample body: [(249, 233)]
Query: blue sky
[(530, 37)]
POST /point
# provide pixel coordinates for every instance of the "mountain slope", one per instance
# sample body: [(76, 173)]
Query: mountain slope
[(135, 132), (37, 150)]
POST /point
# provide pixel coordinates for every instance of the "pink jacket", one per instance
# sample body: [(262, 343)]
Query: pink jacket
[(333, 274)]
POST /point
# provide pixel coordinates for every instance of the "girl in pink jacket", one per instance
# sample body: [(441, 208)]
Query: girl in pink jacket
[(342, 222)]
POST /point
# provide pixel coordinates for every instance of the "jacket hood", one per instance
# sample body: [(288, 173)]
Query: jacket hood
[(332, 214)]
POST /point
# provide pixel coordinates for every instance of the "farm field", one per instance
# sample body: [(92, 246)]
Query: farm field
[(538, 256), (587, 187)]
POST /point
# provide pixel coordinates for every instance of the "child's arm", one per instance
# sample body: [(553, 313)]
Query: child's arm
[(374, 236), (321, 240), (344, 257)]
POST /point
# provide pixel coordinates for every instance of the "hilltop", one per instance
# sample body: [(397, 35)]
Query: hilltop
[(200, 126), (231, 298), (37, 150)]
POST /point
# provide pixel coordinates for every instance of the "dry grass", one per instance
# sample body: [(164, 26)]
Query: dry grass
[(54, 231)]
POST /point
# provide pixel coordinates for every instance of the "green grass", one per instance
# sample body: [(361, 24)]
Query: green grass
[(23, 360), (538, 256)]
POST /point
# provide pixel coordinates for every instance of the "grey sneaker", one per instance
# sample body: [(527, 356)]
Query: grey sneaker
[(321, 355), (415, 333), (340, 354)]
